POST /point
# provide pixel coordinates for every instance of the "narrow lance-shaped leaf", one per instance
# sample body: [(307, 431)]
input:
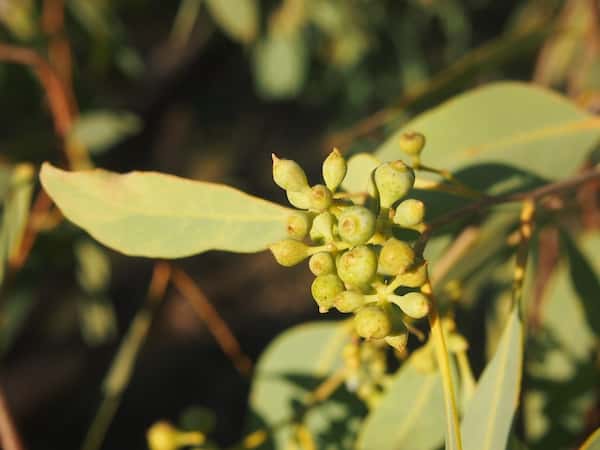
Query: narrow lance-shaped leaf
[(410, 415), (487, 421), (163, 216), (238, 18), (593, 442)]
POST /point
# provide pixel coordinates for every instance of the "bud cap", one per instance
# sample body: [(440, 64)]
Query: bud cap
[(334, 169)]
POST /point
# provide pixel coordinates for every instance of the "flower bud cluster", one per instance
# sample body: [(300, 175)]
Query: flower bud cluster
[(358, 262), (366, 366)]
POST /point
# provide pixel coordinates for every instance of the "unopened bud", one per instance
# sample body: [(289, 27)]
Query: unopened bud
[(393, 181), (412, 143), (297, 225), (372, 322), (322, 227), (415, 277), (395, 257), (164, 436), (357, 266), (288, 174), (299, 199), (413, 304), (289, 252), (409, 213), (321, 263), (320, 197), (325, 288), (356, 225), (334, 170), (349, 301)]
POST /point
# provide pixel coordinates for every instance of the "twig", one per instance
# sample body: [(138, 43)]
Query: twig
[(462, 244), (216, 325), (500, 48), (481, 205), (121, 369), (441, 354), (9, 437)]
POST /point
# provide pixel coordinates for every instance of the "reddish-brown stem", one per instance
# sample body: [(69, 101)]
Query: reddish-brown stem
[(9, 438)]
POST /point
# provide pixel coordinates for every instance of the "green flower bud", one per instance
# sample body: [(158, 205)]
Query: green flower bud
[(322, 227), (457, 343), (321, 264), (297, 225), (397, 341), (349, 301), (358, 266), (415, 277), (288, 174), (325, 288), (356, 225), (164, 436), (334, 170), (299, 199), (372, 322), (413, 304), (412, 143), (320, 197), (409, 213), (289, 252), (395, 257), (393, 181)]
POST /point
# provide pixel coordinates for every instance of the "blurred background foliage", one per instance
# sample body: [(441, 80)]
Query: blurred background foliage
[(208, 90)]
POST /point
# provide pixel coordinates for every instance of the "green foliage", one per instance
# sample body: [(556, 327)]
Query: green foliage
[(410, 415), (100, 130), (593, 442), (238, 18), (156, 215), (292, 366), (489, 414)]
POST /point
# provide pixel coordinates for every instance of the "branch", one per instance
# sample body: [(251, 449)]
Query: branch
[(9, 437), (216, 325)]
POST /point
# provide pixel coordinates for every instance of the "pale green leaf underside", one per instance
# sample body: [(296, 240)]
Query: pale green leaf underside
[(410, 415), (309, 350), (238, 18), (510, 123), (488, 418), (163, 216)]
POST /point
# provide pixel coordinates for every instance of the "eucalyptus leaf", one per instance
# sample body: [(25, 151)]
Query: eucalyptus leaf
[(163, 216), (238, 18), (517, 124), (293, 365), (562, 377), (410, 414), (100, 130), (593, 442), (487, 421), (15, 214)]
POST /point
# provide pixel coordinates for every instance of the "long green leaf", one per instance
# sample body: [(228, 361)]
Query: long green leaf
[(292, 366), (517, 124), (487, 421), (156, 215), (238, 18), (410, 415), (593, 442)]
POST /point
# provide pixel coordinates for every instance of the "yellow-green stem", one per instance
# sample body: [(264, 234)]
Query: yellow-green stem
[(453, 437)]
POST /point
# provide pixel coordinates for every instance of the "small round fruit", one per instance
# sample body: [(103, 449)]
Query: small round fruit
[(372, 322), (412, 143), (321, 263), (356, 225), (409, 213), (334, 169), (393, 181), (395, 257), (288, 174), (289, 252), (349, 301), (324, 289), (357, 267)]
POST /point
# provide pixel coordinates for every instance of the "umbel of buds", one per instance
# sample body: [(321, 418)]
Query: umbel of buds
[(360, 266)]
